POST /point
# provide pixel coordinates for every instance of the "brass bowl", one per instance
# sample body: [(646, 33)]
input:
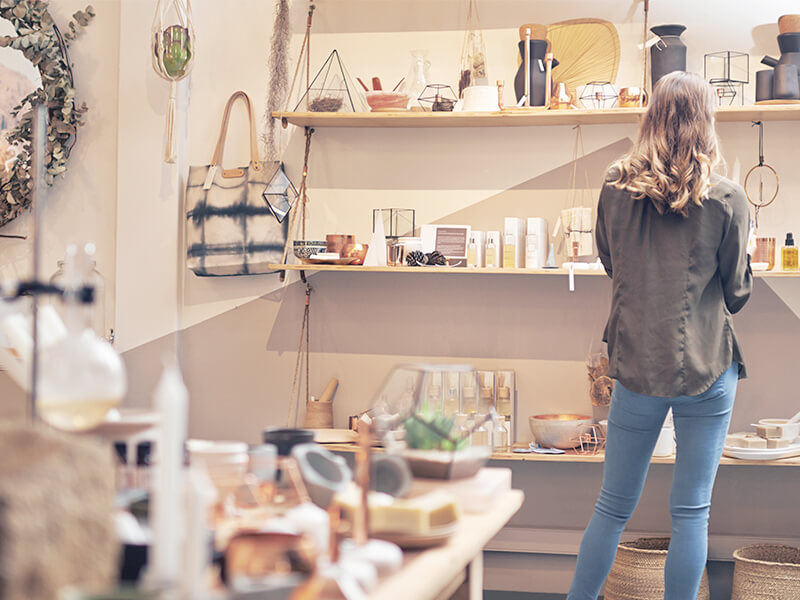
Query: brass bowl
[(356, 251), (632, 97), (558, 431)]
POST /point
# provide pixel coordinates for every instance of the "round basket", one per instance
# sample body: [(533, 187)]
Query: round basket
[(766, 571), (638, 571)]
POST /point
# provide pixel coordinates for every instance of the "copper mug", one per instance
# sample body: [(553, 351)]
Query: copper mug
[(765, 252), (632, 97), (336, 241)]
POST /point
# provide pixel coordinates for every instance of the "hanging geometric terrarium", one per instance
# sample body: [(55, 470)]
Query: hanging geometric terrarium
[(599, 95), (331, 90), (280, 193)]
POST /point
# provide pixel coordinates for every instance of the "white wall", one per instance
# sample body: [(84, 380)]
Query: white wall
[(81, 206)]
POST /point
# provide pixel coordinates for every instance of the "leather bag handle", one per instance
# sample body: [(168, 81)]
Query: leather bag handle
[(216, 161)]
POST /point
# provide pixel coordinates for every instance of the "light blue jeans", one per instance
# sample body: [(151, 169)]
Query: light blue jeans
[(634, 422)]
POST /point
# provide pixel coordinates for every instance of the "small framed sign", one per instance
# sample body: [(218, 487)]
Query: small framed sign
[(450, 240)]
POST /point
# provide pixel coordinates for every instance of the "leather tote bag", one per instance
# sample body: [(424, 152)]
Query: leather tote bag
[(230, 229)]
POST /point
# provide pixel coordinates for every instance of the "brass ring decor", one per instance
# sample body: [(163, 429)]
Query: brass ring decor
[(761, 168), (42, 44)]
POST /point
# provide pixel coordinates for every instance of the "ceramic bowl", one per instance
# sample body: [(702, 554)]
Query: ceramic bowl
[(225, 462), (323, 472), (789, 24), (557, 431), (308, 248), (387, 101), (285, 439)]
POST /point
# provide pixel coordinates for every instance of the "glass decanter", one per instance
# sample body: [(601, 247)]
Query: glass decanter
[(82, 376), (418, 76)]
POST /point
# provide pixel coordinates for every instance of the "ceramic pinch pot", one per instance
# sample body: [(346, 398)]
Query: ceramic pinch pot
[(669, 53), (323, 472), (308, 248), (390, 474), (558, 431)]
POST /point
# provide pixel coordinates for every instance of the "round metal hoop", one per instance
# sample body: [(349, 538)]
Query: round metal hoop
[(777, 186)]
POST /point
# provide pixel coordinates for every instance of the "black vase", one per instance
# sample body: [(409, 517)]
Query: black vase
[(669, 53), (764, 85), (537, 70)]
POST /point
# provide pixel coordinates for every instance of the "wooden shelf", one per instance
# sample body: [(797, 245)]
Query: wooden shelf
[(573, 457), (519, 118), (471, 271), (431, 270)]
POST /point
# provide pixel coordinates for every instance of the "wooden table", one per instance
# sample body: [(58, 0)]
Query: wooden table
[(455, 569)]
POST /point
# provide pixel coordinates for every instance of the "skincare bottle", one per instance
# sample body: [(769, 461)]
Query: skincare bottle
[(789, 255), (536, 243), (493, 249), (468, 397), (513, 235), (509, 251), (475, 249)]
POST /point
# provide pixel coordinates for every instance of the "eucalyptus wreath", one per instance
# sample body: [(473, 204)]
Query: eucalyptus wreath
[(43, 44)]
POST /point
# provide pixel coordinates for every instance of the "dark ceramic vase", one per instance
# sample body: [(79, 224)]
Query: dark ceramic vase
[(789, 44), (669, 53), (786, 83), (537, 69)]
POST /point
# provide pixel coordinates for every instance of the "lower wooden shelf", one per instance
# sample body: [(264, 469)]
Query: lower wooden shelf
[(574, 457), (472, 271)]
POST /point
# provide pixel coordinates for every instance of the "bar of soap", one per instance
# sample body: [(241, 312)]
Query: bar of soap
[(745, 440), (779, 443), (769, 432), (412, 516)]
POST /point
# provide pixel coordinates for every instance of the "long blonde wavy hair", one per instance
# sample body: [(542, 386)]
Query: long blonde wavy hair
[(677, 148)]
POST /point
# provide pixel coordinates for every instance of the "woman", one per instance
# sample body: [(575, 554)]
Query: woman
[(673, 238)]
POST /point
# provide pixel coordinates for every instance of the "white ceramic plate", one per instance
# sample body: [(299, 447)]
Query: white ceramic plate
[(762, 453), (759, 266)]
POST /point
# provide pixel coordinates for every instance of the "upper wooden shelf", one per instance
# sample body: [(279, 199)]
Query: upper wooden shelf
[(516, 118), (471, 271)]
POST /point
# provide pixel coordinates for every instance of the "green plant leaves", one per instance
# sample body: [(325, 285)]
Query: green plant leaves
[(38, 41)]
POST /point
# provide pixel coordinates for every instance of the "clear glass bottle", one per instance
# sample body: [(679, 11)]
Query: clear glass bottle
[(500, 435), (482, 433), (451, 402), (98, 309), (418, 77), (82, 377), (465, 426)]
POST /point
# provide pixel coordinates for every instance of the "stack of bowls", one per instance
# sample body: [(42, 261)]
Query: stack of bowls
[(308, 248), (225, 462)]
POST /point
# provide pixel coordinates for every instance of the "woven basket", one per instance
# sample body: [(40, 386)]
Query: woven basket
[(766, 571), (638, 571)]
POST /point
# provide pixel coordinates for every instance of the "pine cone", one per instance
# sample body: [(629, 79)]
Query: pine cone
[(435, 258), (415, 258)]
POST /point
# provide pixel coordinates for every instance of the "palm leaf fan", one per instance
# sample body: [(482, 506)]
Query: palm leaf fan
[(586, 50)]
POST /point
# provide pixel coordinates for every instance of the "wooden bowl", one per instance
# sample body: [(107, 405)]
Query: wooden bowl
[(380, 101), (789, 24)]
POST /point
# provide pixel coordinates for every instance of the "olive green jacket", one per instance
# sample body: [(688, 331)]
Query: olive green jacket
[(676, 282)]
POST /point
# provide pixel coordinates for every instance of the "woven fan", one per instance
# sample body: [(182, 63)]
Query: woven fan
[(586, 49)]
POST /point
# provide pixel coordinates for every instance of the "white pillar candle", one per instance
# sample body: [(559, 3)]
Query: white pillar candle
[(171, 403)]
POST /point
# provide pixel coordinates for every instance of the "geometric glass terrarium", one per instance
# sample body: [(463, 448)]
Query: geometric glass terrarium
[(280, 193), (397, 222), (331, 90), (411, 417), (599, 95), (727, 66)]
